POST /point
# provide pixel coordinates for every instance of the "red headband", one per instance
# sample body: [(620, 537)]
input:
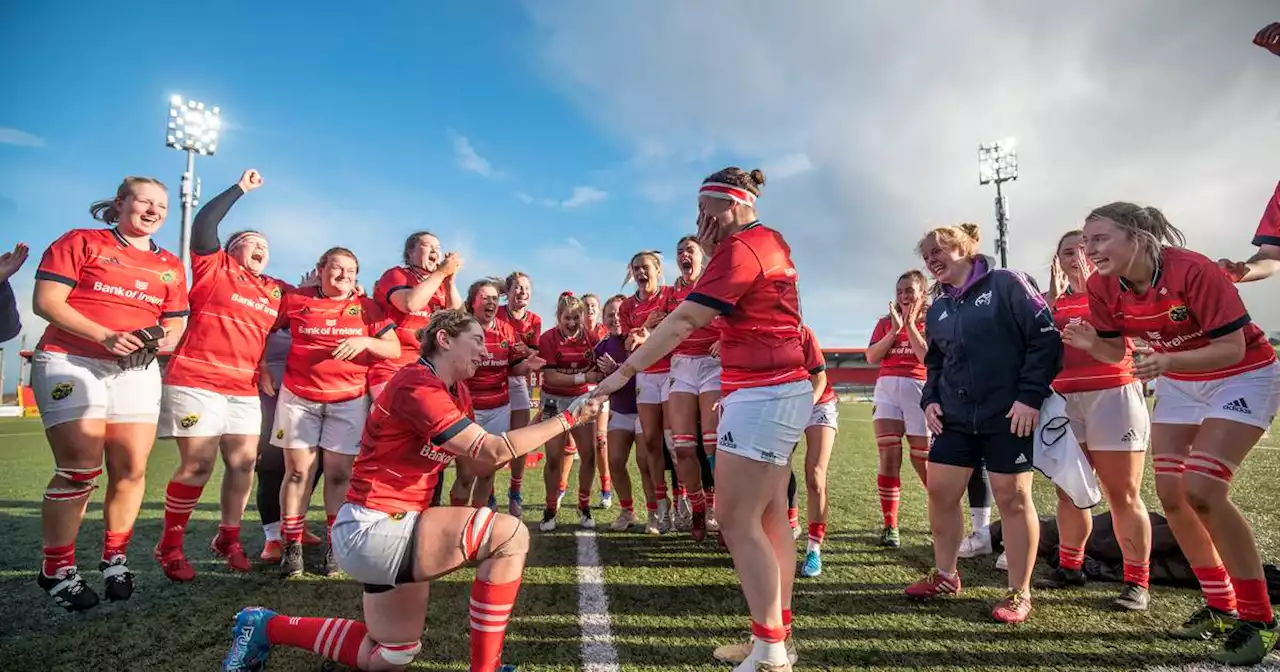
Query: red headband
[(727, 192)]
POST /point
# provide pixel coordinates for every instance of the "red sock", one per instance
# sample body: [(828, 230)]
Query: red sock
[(627, 505), (584, 499), (711, 498), (229, 533), (115, 543), (786, 620), (328, 528), (1137, 573), (291, 528), (1217, 589), (1252, 599), (334, 638), (890, 488), (180, 500), (606, 483), (660, 491), (681, 491), (57, 557), (793, 517), (817, 532), (491, 605), (564, 485), (651, 506), (515, 485), (1070, 558), (768, 635), (698, 501)]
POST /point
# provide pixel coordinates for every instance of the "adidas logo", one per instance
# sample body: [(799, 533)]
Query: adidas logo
[(1022, 459), (1129, 436), (943, 316), (1238, 406), (726, 440)]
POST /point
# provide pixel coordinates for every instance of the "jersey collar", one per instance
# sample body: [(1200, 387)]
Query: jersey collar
[(1155, 277), (120, 240), (752, 225)]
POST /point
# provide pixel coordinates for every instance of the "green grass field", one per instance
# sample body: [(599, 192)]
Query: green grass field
[(670, 600)]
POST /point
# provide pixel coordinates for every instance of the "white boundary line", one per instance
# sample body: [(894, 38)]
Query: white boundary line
[(598, 651)]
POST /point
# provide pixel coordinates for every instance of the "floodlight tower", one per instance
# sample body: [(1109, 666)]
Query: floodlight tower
[(998, 162), (194, 130)]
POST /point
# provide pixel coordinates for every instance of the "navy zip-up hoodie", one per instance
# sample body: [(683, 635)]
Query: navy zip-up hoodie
[(991, 342)]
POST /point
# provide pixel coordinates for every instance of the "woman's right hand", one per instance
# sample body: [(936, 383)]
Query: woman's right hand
[(250, 180), (895, 316), (121, 343), (265, 382), (585, 411), (933, 418), (1080, 335)]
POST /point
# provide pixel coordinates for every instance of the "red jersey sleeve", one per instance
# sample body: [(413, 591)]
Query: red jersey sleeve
[(375, 320), (880, 331), (175, 301), (1268, 232), (1214, 300), (732, 271), (431, 413), (392, 281), (1101, 312), (547, 348), (814, 362), (626, 315), (63, 259)]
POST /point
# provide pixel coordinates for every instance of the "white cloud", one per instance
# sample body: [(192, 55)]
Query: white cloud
[(469, 160), (887, 102), (13, 136), (583, 196)]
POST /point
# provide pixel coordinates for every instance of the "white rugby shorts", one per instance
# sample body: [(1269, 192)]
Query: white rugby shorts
[(1115, 419), (765, 423), (826, 414), (653, 388), (898, 398), (335, 426), (518, 392), (495, 420), (190, 411), (69, 388), (695, 375), (1249, 398)]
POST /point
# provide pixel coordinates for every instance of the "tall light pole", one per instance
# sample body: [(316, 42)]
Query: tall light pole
[(998, 162), (193, 129)]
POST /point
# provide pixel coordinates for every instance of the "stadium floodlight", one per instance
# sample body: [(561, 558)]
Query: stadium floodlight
[(192, 128), (998, 163)]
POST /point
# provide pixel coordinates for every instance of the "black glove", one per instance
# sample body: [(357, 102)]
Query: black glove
[(142, 357)]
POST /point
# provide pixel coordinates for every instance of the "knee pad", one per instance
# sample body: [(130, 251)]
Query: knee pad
[(476, 532), (668, 439), (83, 482), (888, 441), (397, 653), (1168, 465), (507, 546), (683, 444), (919, 451), (1210, 466)]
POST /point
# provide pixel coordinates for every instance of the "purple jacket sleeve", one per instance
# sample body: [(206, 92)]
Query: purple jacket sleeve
[(10, 319)]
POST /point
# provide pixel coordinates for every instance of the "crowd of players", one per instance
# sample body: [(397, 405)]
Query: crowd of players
[(714, 376)]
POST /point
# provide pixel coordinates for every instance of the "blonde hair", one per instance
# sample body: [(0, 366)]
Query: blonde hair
[(1058, 280), (962, 237), (655, 255), (568, 303), (106, 210), (752, 181), (1144, 225)]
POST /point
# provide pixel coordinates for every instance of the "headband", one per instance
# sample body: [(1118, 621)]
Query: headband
[(727, 192), (242, 237)]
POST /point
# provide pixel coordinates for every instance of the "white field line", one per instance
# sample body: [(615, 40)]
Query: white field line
[(598, 651)]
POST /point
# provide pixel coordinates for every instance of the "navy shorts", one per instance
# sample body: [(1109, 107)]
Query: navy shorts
[(1000, 453)]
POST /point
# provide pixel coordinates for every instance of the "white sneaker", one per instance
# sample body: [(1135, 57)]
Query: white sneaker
[(585, 521), (663, 516), (624, 521), (606, 501), (977, 543), (548, 525), (713, 525), (1002, 562), (683, 518), (795, 532)]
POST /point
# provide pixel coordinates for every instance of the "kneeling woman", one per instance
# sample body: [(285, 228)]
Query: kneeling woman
[(389, 538)]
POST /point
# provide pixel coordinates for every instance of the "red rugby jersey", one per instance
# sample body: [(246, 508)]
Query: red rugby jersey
[(634, 311), (1268, 232), (598, 332), (528, 326), (318, 324), (699, 343), (815, 362), (901, 361), (407, 324), (402, 451), (232, 312), (489, 386), (566, 355), (1190, 301), (1080, 371), (751, 281), (113, 284)]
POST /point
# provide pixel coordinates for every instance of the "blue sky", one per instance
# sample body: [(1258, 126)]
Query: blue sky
[(560, 137)]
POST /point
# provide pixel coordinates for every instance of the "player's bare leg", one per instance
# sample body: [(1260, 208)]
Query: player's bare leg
[(819, 441), (620, 442), (197, 455), (651, 457), (889, 476), (337, 478), (585, 437), (684, 412), (551, 481), (77, 455), (127, 447), (515, 497), (602, 457), (239, 455), (709, 419), (295, 493)]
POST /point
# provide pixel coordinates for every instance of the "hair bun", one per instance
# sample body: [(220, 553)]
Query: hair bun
[(971, 230), (757, 176), (565, 293)]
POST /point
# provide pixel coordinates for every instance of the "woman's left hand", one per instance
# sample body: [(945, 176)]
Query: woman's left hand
[(350, 347), (1022, 419), (612, 383), (1148, 364)]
